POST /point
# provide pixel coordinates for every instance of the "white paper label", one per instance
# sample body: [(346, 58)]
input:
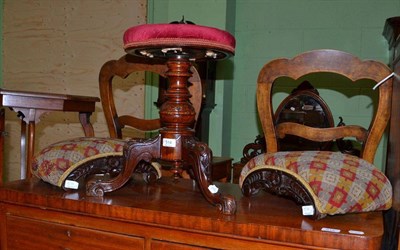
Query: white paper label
[(171, 143), (332, 230), (308, 210), (213, 189), (356, 232), (71, 184)]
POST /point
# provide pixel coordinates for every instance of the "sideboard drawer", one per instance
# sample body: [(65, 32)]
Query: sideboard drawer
[(24, 233), (157, 244)]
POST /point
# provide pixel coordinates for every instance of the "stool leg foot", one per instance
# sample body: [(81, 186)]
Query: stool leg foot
[(198, 155), (134, 152)]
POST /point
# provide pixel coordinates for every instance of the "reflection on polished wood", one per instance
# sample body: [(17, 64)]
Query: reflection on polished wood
[(169, 213)]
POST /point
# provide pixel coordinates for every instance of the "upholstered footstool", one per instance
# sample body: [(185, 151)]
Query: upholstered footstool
[(66, 164), (325, 183)]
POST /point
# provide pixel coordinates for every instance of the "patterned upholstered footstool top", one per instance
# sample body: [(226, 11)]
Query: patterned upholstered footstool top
[(54, 163), (339, 183)]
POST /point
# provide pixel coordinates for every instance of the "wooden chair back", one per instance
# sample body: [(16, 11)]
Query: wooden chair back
[(318, 61), (125, 66)]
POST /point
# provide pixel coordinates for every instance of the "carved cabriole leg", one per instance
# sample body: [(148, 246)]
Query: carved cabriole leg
[(198, 156), (134, 152), (279, 183)]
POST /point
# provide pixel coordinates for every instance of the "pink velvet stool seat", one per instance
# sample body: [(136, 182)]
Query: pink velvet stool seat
[(147, 39)]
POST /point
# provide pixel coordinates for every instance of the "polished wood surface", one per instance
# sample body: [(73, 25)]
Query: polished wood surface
[(29, 107), (169, 213)]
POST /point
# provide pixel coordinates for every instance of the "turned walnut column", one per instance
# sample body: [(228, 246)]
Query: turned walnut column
[(177, 115)]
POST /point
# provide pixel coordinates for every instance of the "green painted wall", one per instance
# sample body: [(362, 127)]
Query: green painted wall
[(267, 29)]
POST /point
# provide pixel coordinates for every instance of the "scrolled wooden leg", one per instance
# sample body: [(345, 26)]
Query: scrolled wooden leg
[(151, 171), (279, 183), (135, 151), (198, 155), (107, 167)]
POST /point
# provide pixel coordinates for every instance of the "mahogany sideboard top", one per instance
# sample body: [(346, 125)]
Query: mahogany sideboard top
[(169, 213)]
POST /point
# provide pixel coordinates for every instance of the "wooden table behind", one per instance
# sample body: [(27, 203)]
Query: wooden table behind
[(168, 215)]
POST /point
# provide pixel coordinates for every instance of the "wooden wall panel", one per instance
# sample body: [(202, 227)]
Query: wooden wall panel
[(59, 46)]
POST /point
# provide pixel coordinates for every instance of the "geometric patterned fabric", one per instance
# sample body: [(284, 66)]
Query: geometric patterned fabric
[(54, 163), (340, 183)]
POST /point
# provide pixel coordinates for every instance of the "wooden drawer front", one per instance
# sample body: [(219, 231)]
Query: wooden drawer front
[(160, 245), (23, 233)]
